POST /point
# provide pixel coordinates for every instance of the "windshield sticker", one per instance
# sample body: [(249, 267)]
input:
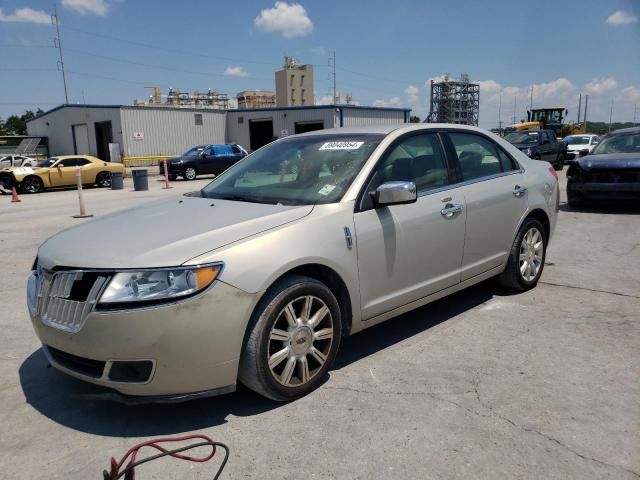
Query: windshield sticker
[(326, 190), (341, 146)]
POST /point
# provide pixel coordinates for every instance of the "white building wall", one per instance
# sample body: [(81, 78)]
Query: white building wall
[(58, 127), (352, 117), (283, 119), (149, 131)]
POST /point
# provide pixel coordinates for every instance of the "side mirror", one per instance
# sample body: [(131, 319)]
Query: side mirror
[(395, 193)]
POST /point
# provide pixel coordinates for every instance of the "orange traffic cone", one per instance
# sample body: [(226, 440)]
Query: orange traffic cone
[(14, 195)]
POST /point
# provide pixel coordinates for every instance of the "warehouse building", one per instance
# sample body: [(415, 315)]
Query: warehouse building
[(255, 128), (139, 130), (142, 131)]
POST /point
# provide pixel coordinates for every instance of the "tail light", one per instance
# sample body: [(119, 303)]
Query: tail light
[(554, 173)]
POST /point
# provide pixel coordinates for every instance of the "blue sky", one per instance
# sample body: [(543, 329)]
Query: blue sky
[(386, 51)]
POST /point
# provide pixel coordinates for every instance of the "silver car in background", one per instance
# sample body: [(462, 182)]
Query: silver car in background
[(258, 276)]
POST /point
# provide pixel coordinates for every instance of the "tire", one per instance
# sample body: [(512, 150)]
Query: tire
[(575, 200), (288, 344), (513, 277), (559, 165), (189, 173), (103, 179), (32, 184), (173, 178)]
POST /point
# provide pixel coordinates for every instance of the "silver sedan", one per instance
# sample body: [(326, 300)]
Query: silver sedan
[(313, 237)]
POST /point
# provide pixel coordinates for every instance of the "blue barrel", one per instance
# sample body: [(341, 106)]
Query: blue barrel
[(117, 181), (140, 180)]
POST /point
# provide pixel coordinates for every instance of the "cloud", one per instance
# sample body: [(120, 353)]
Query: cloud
[(288, 20), (631, 93), (83, 7), (412, 92), (550, 89), (235, 71), (324, 100), (391, 102), (489, 86), (27, 15), (598, 86), (621, 18)]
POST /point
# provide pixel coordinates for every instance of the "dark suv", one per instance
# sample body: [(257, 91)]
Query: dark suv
[(540, 145), (202, 160)]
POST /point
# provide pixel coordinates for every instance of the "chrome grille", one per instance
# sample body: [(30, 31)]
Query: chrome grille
[(64, 299)]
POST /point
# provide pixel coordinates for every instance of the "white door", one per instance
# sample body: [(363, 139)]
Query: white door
[(406, 252), (81, 139)]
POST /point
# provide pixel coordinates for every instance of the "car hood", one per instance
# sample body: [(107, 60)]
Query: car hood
[(610, 161), (164, 233), (578, 148)]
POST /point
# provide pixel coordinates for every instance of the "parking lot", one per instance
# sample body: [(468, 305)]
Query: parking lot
[(483, 384)]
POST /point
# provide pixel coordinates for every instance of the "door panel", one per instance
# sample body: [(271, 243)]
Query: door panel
[(81, 138), (62, 176), (493, 215), (406, 252)]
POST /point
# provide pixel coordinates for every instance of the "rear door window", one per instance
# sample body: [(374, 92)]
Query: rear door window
[(477, 155)]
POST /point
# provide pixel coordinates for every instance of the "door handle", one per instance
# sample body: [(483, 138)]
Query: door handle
[(519, 191), (450, 210)]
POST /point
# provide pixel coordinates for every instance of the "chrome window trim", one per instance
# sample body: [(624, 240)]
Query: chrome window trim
[(471, 182)]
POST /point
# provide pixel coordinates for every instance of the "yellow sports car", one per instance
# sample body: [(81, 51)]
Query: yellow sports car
[(60, 171)]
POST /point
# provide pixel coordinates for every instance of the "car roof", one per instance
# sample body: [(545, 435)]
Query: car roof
[(626, 130), (64, 157), (387, 129)]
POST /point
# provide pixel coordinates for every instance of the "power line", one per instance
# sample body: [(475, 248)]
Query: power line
[(160, 67), (170, 50)]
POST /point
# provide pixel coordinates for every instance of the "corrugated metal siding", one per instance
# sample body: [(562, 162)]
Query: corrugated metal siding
[(169, 131), (353, 117), (282, 120), (60, 127)]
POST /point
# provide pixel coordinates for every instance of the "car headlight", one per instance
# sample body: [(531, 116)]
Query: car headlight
[(158, 285), (529, 151)]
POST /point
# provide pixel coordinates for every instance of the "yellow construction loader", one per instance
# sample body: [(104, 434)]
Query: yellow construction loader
[(548, 118)]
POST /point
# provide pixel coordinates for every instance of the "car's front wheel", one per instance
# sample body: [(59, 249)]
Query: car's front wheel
[(103, 179), (189, 173), (292, 340), (32, 185), (526, 258)]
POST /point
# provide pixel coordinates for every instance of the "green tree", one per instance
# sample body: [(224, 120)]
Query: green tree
[(414, 119), (17, 125)]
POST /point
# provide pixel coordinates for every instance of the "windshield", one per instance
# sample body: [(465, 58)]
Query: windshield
[(623, 143), (297, 171), (522, 137), (194, 151), (47, 163), (573, 140)]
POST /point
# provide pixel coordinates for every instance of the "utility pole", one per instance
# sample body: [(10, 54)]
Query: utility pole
[(500, 114), (635, 111), (610, 115), (531, 103), (58, 44), (586, 104), (332, 75), (579, 107), (515, 100)]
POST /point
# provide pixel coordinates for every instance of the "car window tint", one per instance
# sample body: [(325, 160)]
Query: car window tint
[(208, 151), (506, 161), (476, 155), (68, 162), (417, 159), (222, 150)]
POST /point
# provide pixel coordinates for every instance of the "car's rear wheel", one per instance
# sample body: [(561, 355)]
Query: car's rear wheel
[(189, 173), (292, 340), (559, 165), (526, 258), (32, 185), (103, 179)]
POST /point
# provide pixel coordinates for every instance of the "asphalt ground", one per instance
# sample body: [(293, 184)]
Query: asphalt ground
[(485, 384)]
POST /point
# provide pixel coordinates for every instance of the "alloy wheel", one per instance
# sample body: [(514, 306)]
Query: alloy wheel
[(531, 254), (31, 185), (300, 341), (104, 179), (190, 173)]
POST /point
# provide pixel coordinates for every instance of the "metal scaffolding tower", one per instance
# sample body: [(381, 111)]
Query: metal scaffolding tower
[(455, 101)]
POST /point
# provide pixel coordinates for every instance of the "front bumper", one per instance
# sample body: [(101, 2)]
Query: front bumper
[(194, 345), (613, 191), (172, 168)]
